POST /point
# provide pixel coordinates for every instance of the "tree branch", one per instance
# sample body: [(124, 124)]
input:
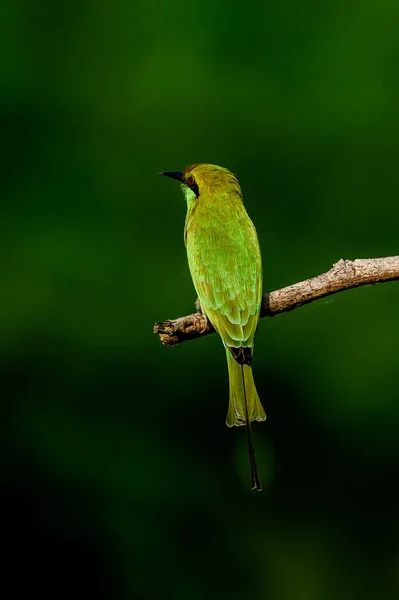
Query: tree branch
[(344, 275)]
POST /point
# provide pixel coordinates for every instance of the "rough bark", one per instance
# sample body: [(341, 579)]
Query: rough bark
[(344, 275)]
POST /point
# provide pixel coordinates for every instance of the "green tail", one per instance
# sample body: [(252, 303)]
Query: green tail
[(244, 407), (240, 406)]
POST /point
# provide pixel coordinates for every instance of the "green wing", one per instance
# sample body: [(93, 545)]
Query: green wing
[(226, 268)]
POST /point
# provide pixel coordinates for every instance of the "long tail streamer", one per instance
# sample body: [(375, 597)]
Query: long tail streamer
[(256, 485)]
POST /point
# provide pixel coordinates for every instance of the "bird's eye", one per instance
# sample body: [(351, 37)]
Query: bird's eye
[(191, 184)]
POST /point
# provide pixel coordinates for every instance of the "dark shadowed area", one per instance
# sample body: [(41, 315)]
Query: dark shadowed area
[(120, 478)]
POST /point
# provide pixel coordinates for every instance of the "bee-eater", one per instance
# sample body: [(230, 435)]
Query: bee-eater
[(226, 267)]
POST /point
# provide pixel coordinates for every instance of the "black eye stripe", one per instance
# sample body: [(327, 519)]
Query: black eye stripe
[(193, 186)]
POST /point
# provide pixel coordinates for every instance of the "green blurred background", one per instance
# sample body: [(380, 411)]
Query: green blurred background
[(120, 478)]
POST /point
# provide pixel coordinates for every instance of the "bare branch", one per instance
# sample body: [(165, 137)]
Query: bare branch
[(344, 275)]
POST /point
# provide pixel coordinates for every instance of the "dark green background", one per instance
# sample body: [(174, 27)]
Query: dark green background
[(120, 478)]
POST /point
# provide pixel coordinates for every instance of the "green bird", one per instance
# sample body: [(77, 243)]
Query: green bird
[(226, 267)]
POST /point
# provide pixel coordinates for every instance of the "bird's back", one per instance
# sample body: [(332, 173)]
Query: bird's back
[(225, 263)]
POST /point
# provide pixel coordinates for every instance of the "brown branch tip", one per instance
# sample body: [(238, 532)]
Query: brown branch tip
[(344, 275)]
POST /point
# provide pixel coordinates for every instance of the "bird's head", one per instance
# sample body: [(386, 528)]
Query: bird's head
[(206, 181)]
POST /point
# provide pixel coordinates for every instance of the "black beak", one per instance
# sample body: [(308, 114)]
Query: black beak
[(174, 174)]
